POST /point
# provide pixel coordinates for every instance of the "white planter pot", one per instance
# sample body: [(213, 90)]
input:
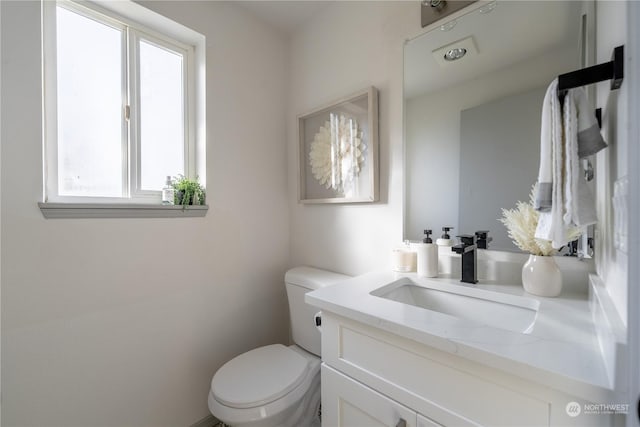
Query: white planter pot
[(541, 276)]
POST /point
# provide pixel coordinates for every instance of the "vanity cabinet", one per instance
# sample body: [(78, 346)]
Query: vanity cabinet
[(371, 377)]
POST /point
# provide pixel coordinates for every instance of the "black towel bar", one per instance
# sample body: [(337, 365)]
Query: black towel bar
[(612, 70)]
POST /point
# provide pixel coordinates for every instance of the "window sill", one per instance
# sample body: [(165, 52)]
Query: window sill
[(119, 210)]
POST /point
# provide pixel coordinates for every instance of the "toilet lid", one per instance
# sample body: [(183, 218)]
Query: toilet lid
[(259, 376)]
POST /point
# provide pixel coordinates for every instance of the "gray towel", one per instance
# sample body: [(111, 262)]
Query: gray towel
[(589, 138)]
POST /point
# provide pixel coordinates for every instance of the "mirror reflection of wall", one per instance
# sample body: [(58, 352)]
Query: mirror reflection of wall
[(495, 95), (495, 138)]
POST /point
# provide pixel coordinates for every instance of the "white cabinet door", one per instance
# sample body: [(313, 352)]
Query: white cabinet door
[(348, 403)]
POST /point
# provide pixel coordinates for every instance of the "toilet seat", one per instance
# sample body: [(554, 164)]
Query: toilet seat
[(261, 376), (285, 411)]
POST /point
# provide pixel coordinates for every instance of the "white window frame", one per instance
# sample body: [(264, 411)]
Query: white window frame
[(135, 36), (137, 23)]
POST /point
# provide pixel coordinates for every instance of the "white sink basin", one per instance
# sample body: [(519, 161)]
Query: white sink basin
[(498, 310)]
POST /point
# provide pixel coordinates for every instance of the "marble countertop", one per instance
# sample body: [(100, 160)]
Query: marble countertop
[(562, 350)]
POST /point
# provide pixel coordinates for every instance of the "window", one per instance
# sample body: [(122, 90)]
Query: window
[(123, 102)]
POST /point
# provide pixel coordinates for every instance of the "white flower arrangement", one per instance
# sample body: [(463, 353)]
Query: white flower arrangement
[(336, 154), (521, 223)]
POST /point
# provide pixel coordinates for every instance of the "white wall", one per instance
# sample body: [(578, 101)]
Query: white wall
[(0, 220), (611, 263), (123, 322), (347, 47)]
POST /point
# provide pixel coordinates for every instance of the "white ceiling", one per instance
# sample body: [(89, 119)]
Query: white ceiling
[(512, 32), (286, 16)]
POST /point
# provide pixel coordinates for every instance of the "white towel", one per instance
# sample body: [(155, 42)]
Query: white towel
[(563, 197), (582, 137), (549, 198)]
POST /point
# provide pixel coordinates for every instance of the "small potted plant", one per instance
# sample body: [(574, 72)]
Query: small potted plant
[(188, 191), (540, 274)]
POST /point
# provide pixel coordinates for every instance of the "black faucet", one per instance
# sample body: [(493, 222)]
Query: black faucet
[(483, 239), (469, 259)]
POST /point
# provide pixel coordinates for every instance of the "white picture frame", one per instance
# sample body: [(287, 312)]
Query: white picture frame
[(338, 151)]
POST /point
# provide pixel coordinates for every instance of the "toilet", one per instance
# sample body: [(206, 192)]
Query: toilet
[(276, 385)]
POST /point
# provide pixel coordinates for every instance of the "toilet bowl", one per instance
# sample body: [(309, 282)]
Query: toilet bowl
[(269, 386), (277, 385)]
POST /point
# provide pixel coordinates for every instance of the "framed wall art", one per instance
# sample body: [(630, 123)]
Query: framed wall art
[(338, 158)]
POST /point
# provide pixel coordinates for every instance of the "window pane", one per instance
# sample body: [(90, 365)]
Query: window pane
[(161, 115), (90, 119)]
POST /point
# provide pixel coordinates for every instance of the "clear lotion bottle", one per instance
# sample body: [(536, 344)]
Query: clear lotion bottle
[(427, 257), (168, 192)]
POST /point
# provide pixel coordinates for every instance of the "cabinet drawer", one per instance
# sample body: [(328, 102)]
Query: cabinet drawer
[(426, 383), (347, 403), (426, 422)]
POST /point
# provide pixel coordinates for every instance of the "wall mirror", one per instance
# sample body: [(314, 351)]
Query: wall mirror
[(472, 125)]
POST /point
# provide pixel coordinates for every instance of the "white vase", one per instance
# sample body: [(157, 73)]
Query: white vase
[(541, 276)]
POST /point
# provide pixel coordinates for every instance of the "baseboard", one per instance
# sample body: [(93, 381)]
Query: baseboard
[(208, 421)]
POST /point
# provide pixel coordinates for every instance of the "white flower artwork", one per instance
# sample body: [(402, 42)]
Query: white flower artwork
[(336, 154), (338, 151)]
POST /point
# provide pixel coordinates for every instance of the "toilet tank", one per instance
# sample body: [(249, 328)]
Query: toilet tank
[(299, 281)]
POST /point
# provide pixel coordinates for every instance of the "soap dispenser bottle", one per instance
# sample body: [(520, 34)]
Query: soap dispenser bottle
[(445, 240), (427, 257)]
